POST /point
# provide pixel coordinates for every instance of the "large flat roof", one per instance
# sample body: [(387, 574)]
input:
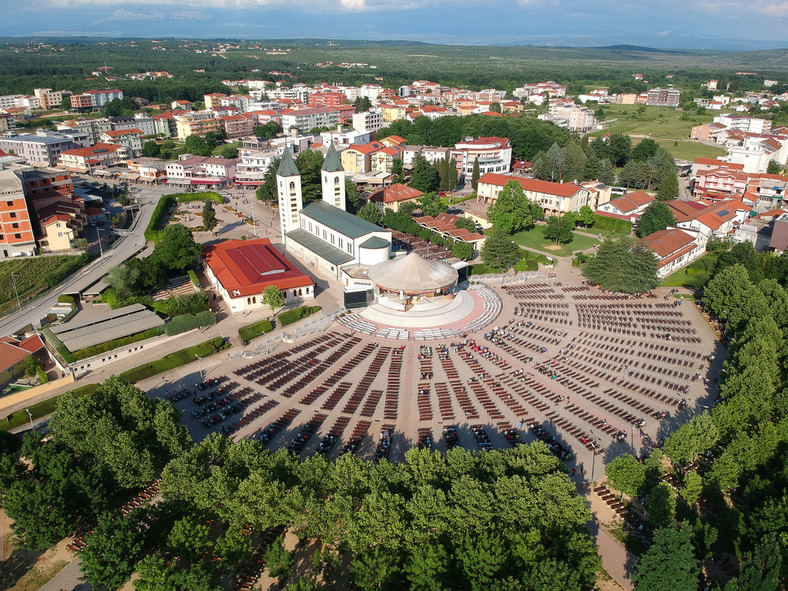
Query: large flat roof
[(106, 326), (343, 222), (324, 250)]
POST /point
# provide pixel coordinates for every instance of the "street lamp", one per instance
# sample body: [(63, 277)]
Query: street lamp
[(30, 416), (13, 279), (101, 248), (199, 361)]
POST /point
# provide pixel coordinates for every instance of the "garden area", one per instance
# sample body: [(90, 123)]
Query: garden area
[(535, 239), (657, 122), (690, 150), (33, 276)]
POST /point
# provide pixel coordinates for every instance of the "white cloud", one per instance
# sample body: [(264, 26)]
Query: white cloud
[(779, 10), (354, 4), (121, 14)]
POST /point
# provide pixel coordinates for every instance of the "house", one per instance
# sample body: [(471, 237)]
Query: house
[(630, 206), (674, 248), (394, 141), (706, 132), (196, 123), (149, 170), (58, 232), (706, 164), (394, 196), (201, 170), (357, 158), (182, 105), (240, 270), (97, 156), (779, 239), (663, 97), (717, 219), (13, 356), (305, 120), (720, 183), (554, 198), (383, 160), (130, 138)]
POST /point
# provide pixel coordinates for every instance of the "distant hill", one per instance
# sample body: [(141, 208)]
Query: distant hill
[(638, 48)]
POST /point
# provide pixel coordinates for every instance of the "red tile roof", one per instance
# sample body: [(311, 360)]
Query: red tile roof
[(669, 244), (10, 355), (246, 267), (534, 185), (394, 193), (632, 201)]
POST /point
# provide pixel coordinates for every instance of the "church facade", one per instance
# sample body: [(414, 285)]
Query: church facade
[(323, 234)]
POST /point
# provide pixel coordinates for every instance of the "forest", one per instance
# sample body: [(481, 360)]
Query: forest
[(28, 64)]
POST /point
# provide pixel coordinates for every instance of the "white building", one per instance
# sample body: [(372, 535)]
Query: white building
[(371, 120), (306, 119)]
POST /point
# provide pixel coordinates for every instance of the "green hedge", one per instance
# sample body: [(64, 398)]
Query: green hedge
[(41, 409), (247, 333), (190, 303), (297, 314), (174, 360), (201, 196), (205, 318), (616, 225), (193, 277), (58, 345), (114, 344)]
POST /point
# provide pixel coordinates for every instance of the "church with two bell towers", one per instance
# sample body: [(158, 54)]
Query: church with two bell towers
[(322, 233)]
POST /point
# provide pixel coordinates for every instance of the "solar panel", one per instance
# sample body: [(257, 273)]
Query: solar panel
[(723, 212)]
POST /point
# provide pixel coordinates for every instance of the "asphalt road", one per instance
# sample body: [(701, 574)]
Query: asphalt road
[(123, 248)]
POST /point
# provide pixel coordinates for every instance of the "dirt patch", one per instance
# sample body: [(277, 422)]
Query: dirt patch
[(604, 582), (552, 247)]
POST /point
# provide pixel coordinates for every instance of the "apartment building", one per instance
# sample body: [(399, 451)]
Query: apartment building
[(50, 99), (306, 119), (42, 148), (371, 120), (196, 123), (357, 158), (663, 97), (235, 126), (16, 228), (201, 170), (493, 153), (97, 156), (130, 138)]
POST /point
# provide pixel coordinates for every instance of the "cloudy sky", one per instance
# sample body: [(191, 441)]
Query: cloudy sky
[(731, 24)]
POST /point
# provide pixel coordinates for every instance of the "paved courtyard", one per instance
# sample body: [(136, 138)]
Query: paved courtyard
[(596, 374)]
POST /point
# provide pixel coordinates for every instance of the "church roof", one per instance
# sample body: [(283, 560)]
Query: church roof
[(343, 222), (287, 166), (412, 274), (332, 162)]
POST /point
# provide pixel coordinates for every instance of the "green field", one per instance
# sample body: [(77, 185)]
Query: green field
[(690, 150), (656, 122), (535, 240), (32, 276)]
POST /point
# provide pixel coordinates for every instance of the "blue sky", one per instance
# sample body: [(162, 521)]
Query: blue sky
[(723, 24)]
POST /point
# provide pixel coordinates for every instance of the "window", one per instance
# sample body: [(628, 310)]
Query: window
[(9, 203), (15, 225), (18, 236), (12, 214)]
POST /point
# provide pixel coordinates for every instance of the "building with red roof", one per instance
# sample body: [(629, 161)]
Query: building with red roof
[(97, 156), (494, 154), (553, 198), (630, 205), (674, 248), (14, 353), (241, 269), (394, 196)]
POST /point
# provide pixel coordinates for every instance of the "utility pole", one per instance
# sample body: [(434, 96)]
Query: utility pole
[(101, 248), (30, 416), (13, 279)]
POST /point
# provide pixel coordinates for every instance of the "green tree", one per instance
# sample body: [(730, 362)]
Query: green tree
[(668, 187), (362, 104), (731, 297), (619, 148), (370, 213), (150, 149), (626, 474), (512, 211), (760, 570), (268, 191), (428, 568), (475, 174), (351, 196), (774, 167), (424, 178), (657, 216), (661, 505), (462, 250), (645, 150), (113, 550), (229, 151), (620, 265), (176, 250), (309, 163), (278, 560), (430, 204), (668, 564), (268, 130), (500, 251), (189, 538), (560, 229), (692, 439), (375, 569), (586, 216), (209, 216), (196, 145), (693, 487), (272, 297), (465, 223), (495, 107)]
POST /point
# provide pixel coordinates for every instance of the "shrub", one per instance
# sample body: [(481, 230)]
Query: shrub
[(43, 378), (205, 318), (111, 297), (247, 333), (190, 303), (297, 314), (152, 232), (181, 323), (174, 360), (616, 225), (193, 277)]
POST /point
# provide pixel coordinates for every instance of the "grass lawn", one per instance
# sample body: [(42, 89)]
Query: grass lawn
[(534, 238), (217, 151), (658, 122), (692, 276), (691, 150), (30, 274)]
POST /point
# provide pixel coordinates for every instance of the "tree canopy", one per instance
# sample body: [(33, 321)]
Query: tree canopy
[(657, 216), (500, 251), (621, 265), (512, 211)]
